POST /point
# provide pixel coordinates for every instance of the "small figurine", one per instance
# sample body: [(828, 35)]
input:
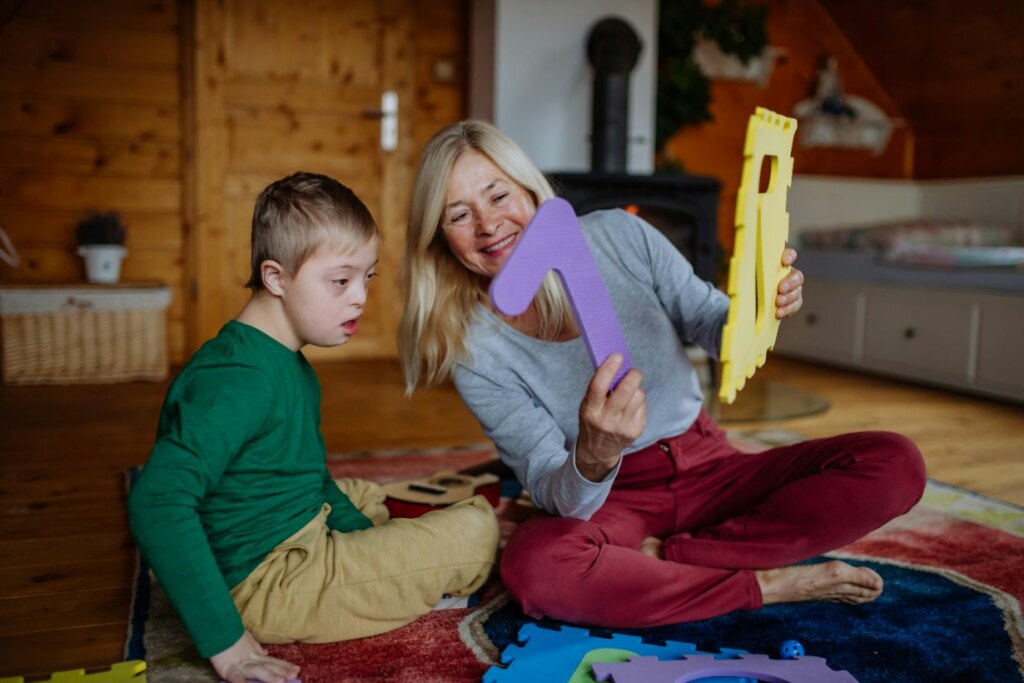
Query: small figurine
[(828, 90)]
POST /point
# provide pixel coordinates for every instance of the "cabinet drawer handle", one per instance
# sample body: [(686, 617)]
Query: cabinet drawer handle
[(812, 318), (909, 333)]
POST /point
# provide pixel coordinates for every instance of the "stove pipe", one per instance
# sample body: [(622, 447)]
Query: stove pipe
[(613, 48)]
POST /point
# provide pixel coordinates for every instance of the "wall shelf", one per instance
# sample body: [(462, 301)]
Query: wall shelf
[(722, 67), (867, 127)]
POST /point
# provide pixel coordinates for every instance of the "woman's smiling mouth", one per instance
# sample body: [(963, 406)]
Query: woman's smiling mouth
[(500, 245)]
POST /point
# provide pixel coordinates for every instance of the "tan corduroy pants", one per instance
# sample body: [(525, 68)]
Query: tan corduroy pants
[(322, 586)]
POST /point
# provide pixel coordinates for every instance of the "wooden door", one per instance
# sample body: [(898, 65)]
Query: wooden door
[(282, 87)]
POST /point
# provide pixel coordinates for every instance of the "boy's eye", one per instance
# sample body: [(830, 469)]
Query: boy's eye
[(341, 283), (370, 276)]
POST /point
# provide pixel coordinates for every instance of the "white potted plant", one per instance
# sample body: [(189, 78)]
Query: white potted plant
[(101, 243)]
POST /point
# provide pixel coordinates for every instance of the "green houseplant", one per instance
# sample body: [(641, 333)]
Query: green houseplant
[(101, 239), (684, 91)]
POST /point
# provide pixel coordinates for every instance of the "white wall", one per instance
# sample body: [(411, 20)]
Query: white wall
[(817, 202), (995, 201), (531, 77)]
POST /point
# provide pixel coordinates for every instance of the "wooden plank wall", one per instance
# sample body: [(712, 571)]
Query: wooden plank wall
[(805, 31), (280, 89), (441, 44), (95, 100), (956, 70), (90, 120)]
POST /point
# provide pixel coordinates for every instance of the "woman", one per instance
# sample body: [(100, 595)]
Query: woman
[(654, 517)]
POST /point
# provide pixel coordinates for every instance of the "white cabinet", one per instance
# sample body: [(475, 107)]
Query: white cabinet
[(971, 340), (1000, 366), (918, 332), (828, 325)]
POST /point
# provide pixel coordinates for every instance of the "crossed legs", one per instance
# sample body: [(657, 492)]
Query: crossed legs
[(321, 585), (694, 529)]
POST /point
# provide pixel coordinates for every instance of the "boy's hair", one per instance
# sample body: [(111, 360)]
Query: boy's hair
[(296, 215)]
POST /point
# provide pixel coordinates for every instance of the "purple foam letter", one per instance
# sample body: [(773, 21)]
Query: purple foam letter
[(554, 241)]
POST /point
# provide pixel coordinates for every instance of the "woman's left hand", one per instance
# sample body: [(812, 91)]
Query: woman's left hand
[(791, 289)]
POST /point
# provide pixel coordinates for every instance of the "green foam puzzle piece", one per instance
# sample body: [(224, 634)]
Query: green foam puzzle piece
[(583, 673)]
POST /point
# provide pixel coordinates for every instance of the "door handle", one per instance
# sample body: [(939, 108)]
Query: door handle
[(388, 115)]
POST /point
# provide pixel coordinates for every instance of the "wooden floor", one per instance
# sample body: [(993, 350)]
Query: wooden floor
[(66, 558)]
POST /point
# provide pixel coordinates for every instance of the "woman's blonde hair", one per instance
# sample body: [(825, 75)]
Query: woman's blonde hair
[(439, 292)]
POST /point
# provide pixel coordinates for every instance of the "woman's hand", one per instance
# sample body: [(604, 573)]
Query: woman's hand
[(791, 291), (609, 422), (247, 660)]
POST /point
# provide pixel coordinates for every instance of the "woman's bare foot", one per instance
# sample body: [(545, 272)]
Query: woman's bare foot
[(833, 580), (652, 546)]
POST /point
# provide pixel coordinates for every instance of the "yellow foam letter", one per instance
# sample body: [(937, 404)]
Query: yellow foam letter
[(755, 270)]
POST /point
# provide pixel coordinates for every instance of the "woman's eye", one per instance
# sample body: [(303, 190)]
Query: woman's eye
[(500, 197), (458, 218), (341, 283), (371, 276)]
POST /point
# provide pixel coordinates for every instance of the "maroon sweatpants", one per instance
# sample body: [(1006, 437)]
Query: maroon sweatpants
[(722, 514)]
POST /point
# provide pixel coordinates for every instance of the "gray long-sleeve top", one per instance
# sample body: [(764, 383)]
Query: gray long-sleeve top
[(526, 393)]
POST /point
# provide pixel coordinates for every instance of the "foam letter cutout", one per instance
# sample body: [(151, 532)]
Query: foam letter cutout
[(755, 270), (554, 241), (123, 672)]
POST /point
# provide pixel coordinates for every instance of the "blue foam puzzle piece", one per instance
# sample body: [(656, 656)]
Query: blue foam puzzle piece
[(553, 655)]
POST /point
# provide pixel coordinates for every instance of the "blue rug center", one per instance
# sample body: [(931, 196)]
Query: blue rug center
[(923, 628)]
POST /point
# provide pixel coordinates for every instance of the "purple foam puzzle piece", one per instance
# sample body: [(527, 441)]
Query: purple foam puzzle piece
[(554, 241), (697, 667)]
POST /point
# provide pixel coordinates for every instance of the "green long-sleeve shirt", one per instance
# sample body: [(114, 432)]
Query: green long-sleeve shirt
[(239, 465)]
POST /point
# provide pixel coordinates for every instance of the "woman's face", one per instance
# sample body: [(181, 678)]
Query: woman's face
[(485, 213)]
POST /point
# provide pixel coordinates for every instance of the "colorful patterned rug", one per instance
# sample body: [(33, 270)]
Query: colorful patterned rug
[(951, 610)]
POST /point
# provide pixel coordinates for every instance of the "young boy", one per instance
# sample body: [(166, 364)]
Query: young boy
[(236, 511)]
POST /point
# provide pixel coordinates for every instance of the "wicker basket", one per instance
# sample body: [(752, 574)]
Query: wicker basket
[(81, 335)]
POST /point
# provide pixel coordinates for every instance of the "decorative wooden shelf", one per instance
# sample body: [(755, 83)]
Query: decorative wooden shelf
[(722, 67)]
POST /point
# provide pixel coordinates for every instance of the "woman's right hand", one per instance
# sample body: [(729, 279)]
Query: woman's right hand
[(246, 660), (609, 422)]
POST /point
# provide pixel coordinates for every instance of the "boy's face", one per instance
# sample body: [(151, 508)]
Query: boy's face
[(324, 300)]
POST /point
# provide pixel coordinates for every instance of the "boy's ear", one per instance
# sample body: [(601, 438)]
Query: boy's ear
[(272, 273)]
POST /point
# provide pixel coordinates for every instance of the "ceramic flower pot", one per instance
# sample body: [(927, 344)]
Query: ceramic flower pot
[(102, 262)]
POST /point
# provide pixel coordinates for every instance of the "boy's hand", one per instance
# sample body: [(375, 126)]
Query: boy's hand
[(247, 660)]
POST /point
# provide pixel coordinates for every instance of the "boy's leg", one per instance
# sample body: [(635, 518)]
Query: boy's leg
[(367, 496), (322, 586)]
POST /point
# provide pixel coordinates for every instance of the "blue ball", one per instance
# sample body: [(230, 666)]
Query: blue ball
[(791, 649)]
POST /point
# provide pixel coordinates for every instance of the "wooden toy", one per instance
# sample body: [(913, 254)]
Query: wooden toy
[(554, 241), (415, 497), (755, 270), (699, 667)]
